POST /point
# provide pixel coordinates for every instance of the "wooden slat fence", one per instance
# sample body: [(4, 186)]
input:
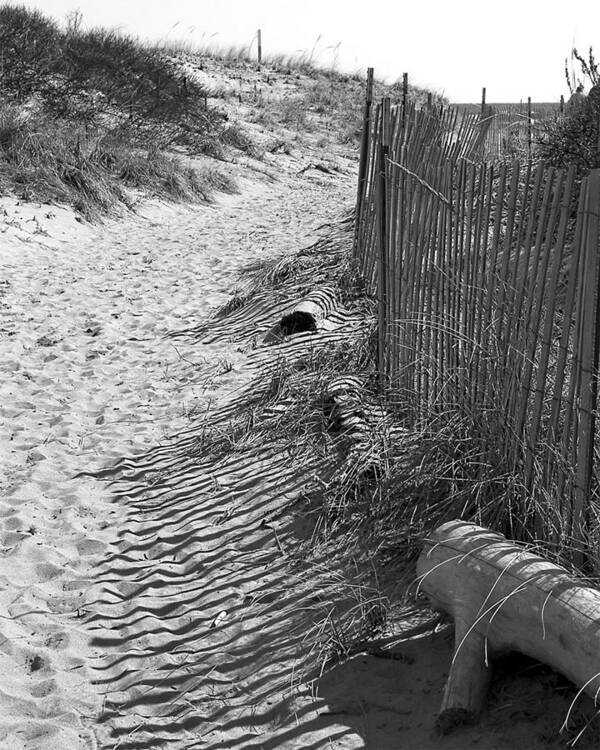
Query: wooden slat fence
[(513, 128), (487, 278)]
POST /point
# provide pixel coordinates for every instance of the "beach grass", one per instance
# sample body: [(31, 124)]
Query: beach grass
[(88, 116)]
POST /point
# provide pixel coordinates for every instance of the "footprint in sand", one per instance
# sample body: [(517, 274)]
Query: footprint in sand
[(43, 689), (57, 641), (36, 663)]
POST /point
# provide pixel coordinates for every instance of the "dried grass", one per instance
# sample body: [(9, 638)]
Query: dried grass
[(91, 169)]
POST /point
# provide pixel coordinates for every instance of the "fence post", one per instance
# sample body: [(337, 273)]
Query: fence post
[(483, 102), (588, 359), (362, 164), (259, 39), (383, 240), (562, 104), (529, 126)]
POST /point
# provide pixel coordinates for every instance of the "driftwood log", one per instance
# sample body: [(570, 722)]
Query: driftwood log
[(307, 315), (504, 598)]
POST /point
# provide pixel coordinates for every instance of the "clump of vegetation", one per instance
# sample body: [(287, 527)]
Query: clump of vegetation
[(575, 137), (335, 100), (87, 114), (50, 159), (87, 75)]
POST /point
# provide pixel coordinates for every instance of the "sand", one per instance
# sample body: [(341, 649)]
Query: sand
[(87, 376)]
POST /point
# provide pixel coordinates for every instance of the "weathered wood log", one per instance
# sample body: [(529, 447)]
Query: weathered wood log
[(504, 598), (308, 315)]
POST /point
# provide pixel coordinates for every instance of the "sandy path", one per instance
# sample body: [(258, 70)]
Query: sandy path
[(88, 375)]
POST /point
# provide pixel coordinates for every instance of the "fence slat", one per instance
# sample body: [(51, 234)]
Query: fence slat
[(363, 159), (383, 250)]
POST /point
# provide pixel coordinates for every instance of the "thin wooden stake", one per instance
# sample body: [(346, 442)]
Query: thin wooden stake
[(259, 38), (362, 165), (529, 126), (382, 195)]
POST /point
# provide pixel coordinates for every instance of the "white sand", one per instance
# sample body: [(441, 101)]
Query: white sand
[(86, 376)]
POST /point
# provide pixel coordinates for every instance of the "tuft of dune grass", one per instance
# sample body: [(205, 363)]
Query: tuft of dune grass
[(49, 160)]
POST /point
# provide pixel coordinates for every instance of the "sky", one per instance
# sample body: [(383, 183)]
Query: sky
[(515, 48)]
